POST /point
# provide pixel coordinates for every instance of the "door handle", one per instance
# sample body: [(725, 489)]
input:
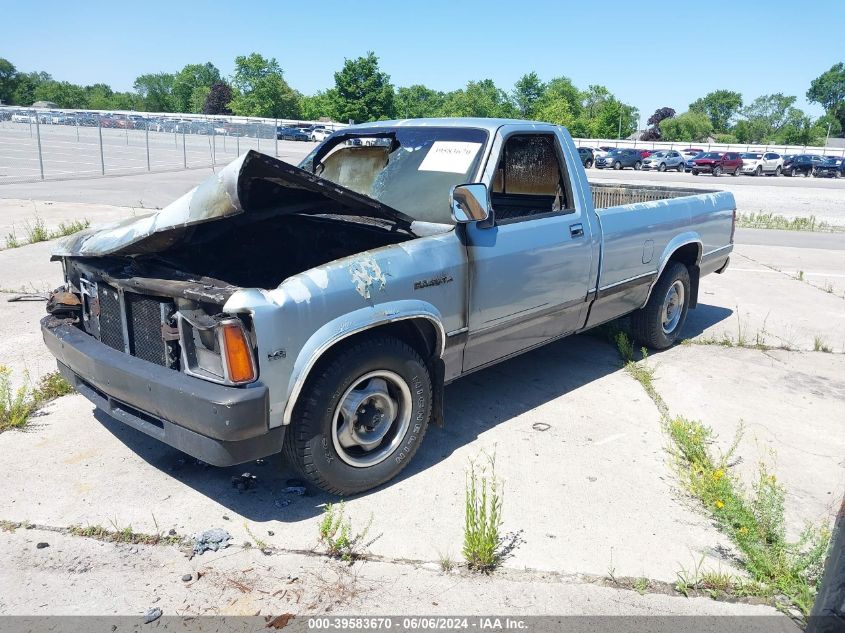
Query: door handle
[(576, 230)]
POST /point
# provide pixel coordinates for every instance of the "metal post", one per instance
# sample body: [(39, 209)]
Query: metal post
[(213, 147), (76, 120), (258, 135), (184, 152), (30, 125), (276, 137), (238, 143), (224, 141), (147, 140), (126, 128), (100, 132), (40, 159), (619, 133)]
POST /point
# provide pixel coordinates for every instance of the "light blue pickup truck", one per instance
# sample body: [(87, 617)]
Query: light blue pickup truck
[(319, 310)]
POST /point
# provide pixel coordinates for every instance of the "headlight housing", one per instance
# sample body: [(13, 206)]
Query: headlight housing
[(217, 349)]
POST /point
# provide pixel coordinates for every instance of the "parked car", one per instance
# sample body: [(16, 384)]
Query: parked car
[(832, 167), (717, 163), (335, 349), (759, 163), (692, 150), (23, 117), (645, 153), (587, 157), (320, 134), (602, 151), (804, 164), (291, 134), (690, 160), (663, 160), (619, 159)]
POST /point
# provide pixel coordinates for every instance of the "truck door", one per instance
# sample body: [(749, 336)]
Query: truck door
[(530, 271)]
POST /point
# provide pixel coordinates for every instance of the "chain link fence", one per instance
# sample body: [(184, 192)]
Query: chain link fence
[(837, 151), (62, 144)]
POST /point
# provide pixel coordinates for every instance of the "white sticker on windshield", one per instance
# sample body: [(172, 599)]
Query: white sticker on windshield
[(451, 156)]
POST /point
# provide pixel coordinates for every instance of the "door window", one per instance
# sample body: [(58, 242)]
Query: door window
[(529, 180)]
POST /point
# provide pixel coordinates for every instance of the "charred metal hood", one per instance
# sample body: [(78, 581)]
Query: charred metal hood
[(252, 183)]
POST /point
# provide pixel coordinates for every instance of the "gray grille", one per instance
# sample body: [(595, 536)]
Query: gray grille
[(111, 327), (144, 319)]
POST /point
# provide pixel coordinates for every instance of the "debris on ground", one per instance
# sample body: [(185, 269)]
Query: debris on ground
[(28, 296), (152, 615), (294, 490), (298, 483), (244, 481), (282, 503), (187, 578), (214, 539), (42, 545)]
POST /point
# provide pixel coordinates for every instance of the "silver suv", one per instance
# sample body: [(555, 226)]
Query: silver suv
[(663, 160)]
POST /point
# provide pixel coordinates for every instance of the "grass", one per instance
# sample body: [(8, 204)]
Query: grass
[(819, 345), (483, 517), (446, 562), (122, 535), (773, 221), (261, 544), (18, 405), (36, 231), (335, 533), (640, 585)]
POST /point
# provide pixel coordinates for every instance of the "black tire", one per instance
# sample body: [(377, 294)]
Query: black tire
[(588, 164), (617, 165), (681, 168), (736, 172), (310, 441), (661, 167), (637, 166), (647, 323), (694, 173), (717, 171), (778, 170), (758, 171)]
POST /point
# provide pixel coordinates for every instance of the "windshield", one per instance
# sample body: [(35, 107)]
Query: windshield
[(752, 155), (660, 154), (711, 155), (411, 169)]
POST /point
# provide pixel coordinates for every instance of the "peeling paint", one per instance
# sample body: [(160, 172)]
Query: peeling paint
[(319, 276), (366, 273), (297, 290)]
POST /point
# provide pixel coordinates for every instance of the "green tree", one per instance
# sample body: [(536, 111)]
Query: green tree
[(25, 85), (156, 90), (64, 94), (765, 116), (362, 92), (8, 80), (593, 98), (560, 102), (186, 98), (828, 89), (318, 106), (720, 107), (261, 89), (614, 119), (99, 97), (414, 102), (479, 99), (527, 91), (688, 127)]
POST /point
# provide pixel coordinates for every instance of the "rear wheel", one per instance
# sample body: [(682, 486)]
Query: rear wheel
[(694, 173), (588, 164), (736, 171), (681, 167), (658, 325), (637, 166), (617, 165), (758, 171), (778, 170), (362, 416)]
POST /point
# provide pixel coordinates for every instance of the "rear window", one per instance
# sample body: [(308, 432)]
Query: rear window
[(752, 155)]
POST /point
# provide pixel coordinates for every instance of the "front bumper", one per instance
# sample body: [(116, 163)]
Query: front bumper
[(218, 424)]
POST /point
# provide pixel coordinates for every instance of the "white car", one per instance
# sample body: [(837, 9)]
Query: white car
[(759, 163), (663, 160), (23, 117), (320, 134)]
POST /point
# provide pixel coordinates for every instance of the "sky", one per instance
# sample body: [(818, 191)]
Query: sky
[(648, 55)]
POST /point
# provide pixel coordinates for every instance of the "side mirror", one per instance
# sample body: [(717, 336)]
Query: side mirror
[(469, 203)]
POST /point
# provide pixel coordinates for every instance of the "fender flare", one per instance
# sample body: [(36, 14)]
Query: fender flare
[(679, 241), (344, 326)]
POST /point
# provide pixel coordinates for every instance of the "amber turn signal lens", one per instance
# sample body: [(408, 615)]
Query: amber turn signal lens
[(238, 354)]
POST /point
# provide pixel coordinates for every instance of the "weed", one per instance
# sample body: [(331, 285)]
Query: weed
[(335, 532), (36, 232), (482, 517), (772, 221), (261, 544), (828, 287), (800, 276), (624, 346), (122, 535), (70, 228), (819, 345), (755, 522), (640, 585), (446, 562), (12, 239), (17, 405)]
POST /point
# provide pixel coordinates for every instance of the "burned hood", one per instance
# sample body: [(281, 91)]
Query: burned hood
[(252, 183)]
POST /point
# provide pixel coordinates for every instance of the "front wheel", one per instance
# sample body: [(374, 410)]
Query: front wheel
[(588, 164), (361, 417), (658, 325), (617, 165), (637, 166), (661, 167), (778, 170), (681, 168), (758, 171), (736, 172)]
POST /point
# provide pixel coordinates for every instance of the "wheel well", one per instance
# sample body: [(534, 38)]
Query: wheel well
[(688, 255), (419, 333)]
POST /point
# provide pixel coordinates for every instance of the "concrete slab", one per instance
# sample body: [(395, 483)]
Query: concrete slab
[(28, 269), (822, 268), (75, 576), (578, 446), (791, 406), (24, 352), (753, 302)]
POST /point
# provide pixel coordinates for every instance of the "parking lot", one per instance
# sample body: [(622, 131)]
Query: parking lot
[(590, 491)]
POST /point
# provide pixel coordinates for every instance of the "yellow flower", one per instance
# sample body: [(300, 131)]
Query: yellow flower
[(772, 478), (743, 530), (718, 474), (720, 504)]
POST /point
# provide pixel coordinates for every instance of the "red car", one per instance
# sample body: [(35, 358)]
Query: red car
[(717, 163), (645, 153)]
